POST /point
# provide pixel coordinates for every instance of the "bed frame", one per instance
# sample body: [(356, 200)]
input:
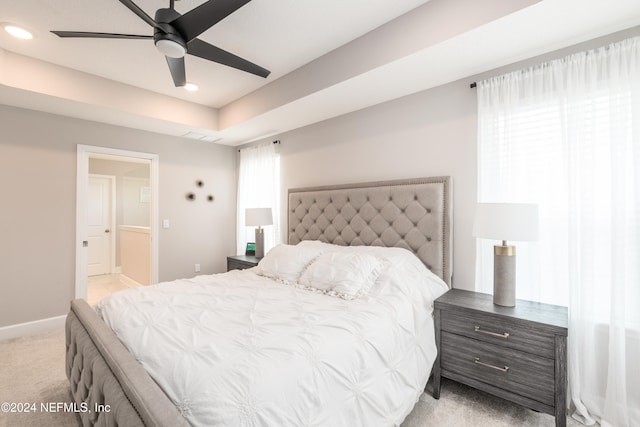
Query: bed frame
[(414, 214)]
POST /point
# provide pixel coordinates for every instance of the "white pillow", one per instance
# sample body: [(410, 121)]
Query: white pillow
[(321, 246), (343, 274), (286, 262)]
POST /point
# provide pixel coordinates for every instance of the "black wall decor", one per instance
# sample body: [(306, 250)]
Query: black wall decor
[(192, 196)]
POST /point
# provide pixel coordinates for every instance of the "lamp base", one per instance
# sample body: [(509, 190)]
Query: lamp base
[(259, 242), (504, 275)]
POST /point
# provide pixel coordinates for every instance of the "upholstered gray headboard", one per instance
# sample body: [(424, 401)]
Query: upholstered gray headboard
[(414, 214)]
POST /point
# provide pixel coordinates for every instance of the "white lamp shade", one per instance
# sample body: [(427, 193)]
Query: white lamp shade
[(255, 217), (506, 221)]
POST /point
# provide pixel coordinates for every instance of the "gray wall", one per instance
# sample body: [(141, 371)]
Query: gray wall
[(430, 133), (38, 207)]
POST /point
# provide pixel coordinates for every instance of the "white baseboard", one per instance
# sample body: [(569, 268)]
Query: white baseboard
[(31, 328), (128, 281)]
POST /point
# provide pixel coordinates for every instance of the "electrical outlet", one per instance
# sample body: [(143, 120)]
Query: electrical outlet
[(197, 268)]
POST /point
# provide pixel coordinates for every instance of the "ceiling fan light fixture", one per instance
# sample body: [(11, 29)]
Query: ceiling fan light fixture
[(176, 35), (17, 31), (171, 48)]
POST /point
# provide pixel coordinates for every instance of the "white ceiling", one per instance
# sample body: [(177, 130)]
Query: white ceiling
[(280, 35), (326, 57)]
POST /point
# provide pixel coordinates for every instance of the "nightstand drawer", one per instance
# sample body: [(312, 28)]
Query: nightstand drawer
[(500, 331), (241, 262), (518, 372), (236, 265)]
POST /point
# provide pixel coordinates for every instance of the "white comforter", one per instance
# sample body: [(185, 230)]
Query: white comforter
[(239, 349)]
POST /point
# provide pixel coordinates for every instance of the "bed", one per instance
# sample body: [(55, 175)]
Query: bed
[(288, 349)]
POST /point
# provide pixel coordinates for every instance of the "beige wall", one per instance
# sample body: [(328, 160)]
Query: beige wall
[(430, 133), (136, 253), (38, 206)]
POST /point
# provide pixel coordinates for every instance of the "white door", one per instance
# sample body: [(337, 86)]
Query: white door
[(98, 225)]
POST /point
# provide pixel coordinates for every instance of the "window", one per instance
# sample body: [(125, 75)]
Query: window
[(258, 187), (566, 135)]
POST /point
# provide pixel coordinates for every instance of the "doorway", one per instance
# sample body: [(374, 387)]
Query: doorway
[(91, 236)]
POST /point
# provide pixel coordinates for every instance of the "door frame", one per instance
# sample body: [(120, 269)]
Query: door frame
[(112, 218), (82, 181)]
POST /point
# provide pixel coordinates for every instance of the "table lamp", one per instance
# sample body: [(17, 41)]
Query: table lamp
[(505, 221), (257, 217)]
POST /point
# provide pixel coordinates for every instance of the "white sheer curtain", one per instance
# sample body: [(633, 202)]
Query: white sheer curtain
[(566, 135), (258, 187)]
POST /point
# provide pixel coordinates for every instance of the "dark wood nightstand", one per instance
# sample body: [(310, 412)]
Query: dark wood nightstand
[(240, 262), (516, 353)]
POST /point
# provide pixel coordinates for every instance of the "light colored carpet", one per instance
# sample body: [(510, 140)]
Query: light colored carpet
[(32, 371)]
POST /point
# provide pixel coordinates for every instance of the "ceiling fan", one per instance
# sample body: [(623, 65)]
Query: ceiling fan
[(175, 35)]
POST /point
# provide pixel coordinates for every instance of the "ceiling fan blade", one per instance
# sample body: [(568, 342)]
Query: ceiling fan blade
[(204, 50), (98, 35), (176, 66), (141, 13), (198, 20)]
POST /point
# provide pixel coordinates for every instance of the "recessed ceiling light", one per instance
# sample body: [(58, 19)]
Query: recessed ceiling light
[(17, 31), (191, 87)]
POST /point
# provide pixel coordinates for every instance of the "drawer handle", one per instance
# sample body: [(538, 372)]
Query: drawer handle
[(477, 361), (504, 335)]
